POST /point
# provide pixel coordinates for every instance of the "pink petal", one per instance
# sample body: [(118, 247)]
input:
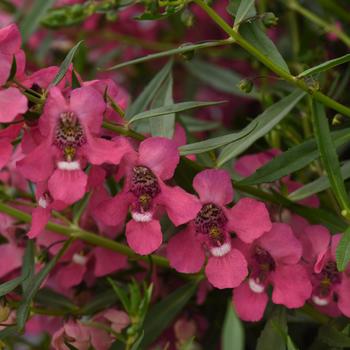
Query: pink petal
[(107, 261), (249, 219), (249, 306), (89, 106), (12, 255), (5, 67), (10, 39), (214, 186), (112, 212), (185, 252), (181, 206), (334, 244), (292, 286), (99, 151), (160, 155), (227, 271), (67, 186), (344, 296), (38, 165), (40, 218), (5, 152), (281, 243), (12, 103), (70, 275), (119, 319), (144, 237)]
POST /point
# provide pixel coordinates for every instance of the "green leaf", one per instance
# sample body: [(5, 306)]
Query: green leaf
[(136, 345), (65, 64), (164, 312), (325, 66), (8, 332), (148, 94), (181, 49), (100, 302), (9, 286), (329, 155), (256, 36), (216, 142), (246, 9), (28, 265), (331, 336), (232, 337), (271, 337), (319, 185), (262, 125), (52, 299), (343, 251), (217, 77), (292, 160), (33, 287), (32, 19), (173, 108), (164, 125), (198, 125)]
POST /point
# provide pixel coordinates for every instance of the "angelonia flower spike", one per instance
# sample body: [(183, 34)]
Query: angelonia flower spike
[(160, 190)]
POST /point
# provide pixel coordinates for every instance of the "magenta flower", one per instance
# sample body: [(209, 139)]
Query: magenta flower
[(70, 138), (331, 288), (274, 259), (210, 230), (145, 194)]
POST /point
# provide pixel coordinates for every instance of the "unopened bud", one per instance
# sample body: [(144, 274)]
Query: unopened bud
[(337, 119), (245, 85), (269, 19)]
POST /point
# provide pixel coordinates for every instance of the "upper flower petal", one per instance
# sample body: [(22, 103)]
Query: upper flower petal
[(107, 261), (12, 103)]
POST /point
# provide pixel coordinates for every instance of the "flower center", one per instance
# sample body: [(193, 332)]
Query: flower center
[(145, 187), (327, 278), (263, 264), (69, 135)]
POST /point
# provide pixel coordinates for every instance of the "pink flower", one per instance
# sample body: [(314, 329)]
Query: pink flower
[(145, 193), (330, 287), (274, 258), (210, 230), (70, 132)]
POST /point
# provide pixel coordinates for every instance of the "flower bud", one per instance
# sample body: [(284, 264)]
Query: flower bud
[(337, 119), (245, 85), (269, 19)]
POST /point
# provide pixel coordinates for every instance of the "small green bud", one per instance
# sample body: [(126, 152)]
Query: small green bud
[(337, 119), (245, 85), (269, 19)]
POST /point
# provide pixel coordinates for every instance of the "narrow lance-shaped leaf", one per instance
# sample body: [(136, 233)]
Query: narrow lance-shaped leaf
[(319, 185), (32, 19), (219, 78), (9, 286), (163, 125), (246, 9), (343, 251), (232, 336), (147, 95), (263, 124), (174, 108), (293, 160), (65, 64), (325, 66), (28, 265), (329, 156)]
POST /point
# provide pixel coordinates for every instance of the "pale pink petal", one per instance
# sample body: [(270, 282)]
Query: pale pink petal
[(292, 286), (5, 152), (227, 271), (67, 186), (185, 252), (38, 165), (249, 306), (70, 275), (344, 296), (40, 217), (107, 261), (144, 237), (11, 257), (112, 212), (89, 106), (281, 243), (249, 219), (160, 155), (119, 319), (12, 103), (181, 206), (214, 186)]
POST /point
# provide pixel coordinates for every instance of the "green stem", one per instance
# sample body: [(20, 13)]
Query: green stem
[(327, 27), (122, 130), (317, 95), (86, 236)]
